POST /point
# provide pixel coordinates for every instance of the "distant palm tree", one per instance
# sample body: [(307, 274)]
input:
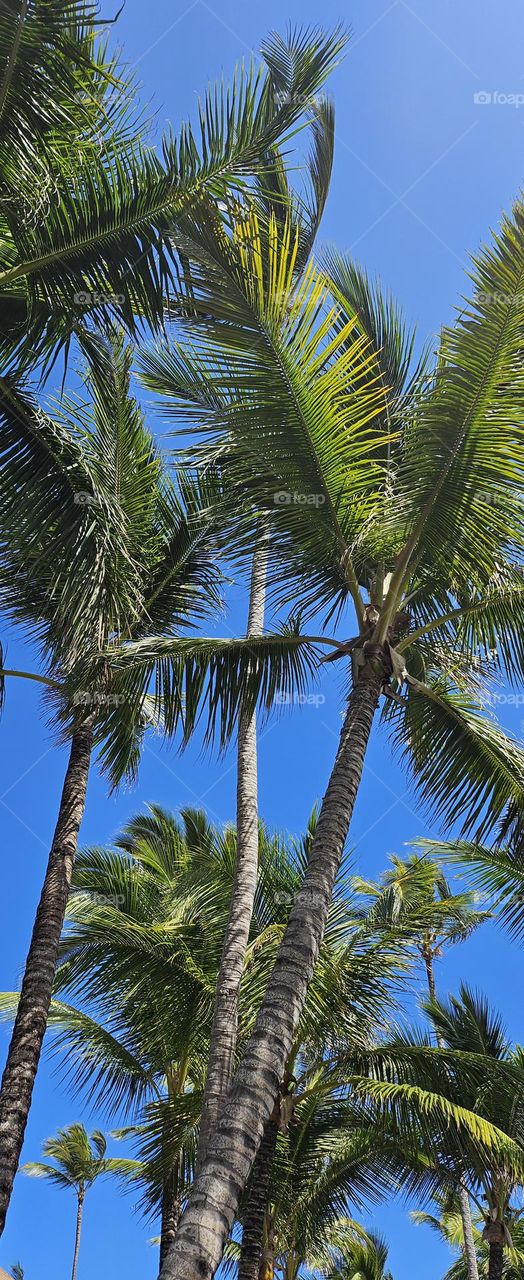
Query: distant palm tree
[(446, 1222), (468, 1026), (363, 1260), (414, 900), (79, 1158)]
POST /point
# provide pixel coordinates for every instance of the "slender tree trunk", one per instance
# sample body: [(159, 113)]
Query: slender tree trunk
[(496, 1260), (214, 1201), (257, 1193), (470, 1253), (170, 1217), (225, 1017), (79, 1214), (428, 961), (35, 997)]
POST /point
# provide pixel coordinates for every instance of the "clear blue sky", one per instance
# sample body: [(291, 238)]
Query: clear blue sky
[(422, 172)]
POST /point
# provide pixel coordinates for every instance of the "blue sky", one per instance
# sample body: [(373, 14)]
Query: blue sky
[(422, 171)]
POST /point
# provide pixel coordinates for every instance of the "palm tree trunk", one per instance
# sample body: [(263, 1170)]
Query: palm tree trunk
[(496, 1260), (170, 1217), (35, 997), (225, 1017), (215, 1197), (428, 961), (470, 1253), (79, 1214), (257, 1192)]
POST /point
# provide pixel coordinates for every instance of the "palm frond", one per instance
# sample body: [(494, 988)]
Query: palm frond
[(462, 764), (217, 677), (462, 471)]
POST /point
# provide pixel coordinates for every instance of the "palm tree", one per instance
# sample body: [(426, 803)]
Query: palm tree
[(139, 961), (496, 870), (415, 901), (121, 544), (93, 215), (469, 1026), (222, 1044), (141, 953), (448, 1226), (400, 497), (363, 1260), (151, 910), (79, 1159), (274, 197), (474, 1067)]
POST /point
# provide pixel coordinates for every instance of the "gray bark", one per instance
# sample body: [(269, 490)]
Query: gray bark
[(225, 1017), (214, 1201), (470, 1253), (37, 986)]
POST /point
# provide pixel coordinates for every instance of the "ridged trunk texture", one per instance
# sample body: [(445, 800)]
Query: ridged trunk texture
[(79, 1214), (470, 1253), (170, 1218), (257, 1192), (37, 986), (214, 1201), (225, 1018), (496, 1260)]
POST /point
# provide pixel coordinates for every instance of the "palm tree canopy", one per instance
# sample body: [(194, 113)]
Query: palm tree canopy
[(78, 1159), (414, 898), (91, 208), (311, 432)]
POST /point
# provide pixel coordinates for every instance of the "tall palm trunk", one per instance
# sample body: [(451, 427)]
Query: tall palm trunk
[(257, 1192), (496, 1260), (470, 1252), (225, 1017), (35, 997), (79, 1214), (214, 1201), (170, 1217)]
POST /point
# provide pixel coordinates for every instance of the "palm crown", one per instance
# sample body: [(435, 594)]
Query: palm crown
[(91, 210), (385, 474)]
